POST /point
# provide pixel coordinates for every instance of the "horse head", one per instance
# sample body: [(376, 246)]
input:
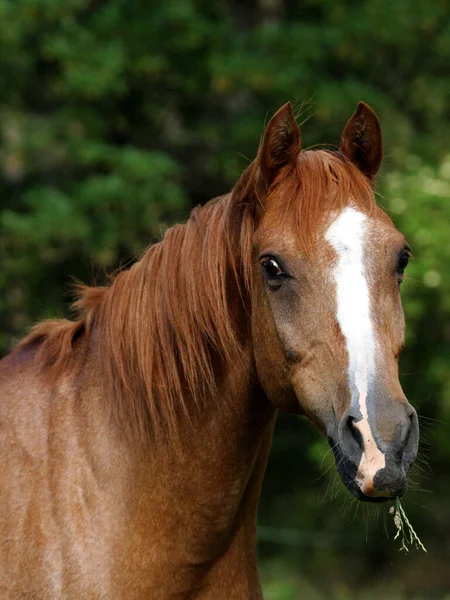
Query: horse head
[(327, 318)]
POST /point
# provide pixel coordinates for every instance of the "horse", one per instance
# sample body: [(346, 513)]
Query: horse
[(134, 438)]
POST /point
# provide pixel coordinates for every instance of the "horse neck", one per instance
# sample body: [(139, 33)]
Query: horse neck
[(205, 482)]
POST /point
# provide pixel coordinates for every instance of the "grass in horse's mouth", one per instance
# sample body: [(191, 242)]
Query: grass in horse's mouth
[(405, 530)]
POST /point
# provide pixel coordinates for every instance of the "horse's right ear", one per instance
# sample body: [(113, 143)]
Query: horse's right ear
[(281, 143)]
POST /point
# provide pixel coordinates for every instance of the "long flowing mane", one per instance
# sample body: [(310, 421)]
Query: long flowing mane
[(163, 328)]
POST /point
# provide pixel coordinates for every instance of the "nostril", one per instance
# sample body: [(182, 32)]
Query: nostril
[(409, 432), (409, 438), (350, 437), (355, 433)]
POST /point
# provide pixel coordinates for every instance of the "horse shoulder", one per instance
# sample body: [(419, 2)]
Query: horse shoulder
[(56, 500)]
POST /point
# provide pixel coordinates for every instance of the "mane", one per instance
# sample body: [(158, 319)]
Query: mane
[(163, 328)]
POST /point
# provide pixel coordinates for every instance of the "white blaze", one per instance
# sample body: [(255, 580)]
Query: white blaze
[(346, 235)]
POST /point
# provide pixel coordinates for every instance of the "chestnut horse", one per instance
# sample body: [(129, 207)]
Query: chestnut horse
[(134, 439)]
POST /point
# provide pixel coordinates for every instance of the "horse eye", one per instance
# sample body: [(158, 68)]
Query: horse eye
[(272, 269), (403, 261)]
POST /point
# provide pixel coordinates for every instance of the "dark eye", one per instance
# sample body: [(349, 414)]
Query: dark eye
[(403, 261), (272, 270)]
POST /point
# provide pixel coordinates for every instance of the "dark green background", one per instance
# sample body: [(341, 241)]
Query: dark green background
[(118, 116)]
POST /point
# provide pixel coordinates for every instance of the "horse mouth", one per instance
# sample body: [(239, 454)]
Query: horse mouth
[(347, 470), (357, 493)]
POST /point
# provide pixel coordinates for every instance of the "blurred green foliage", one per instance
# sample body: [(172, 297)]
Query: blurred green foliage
[(118, 116)]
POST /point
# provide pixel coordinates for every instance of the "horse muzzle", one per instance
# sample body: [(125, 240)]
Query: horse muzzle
[(373, 461)]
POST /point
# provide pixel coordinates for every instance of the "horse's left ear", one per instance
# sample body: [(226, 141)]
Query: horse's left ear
[(361, 140), (281, 143)]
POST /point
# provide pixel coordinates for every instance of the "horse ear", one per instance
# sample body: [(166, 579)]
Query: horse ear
[(361, 140), (281, 143)]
